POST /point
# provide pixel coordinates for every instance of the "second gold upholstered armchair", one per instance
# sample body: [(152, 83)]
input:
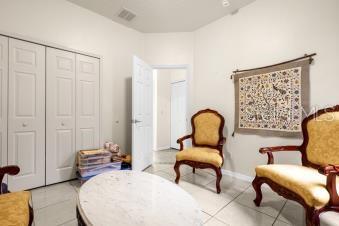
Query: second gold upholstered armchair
[(14, 207), (315, 184), (207, 140)]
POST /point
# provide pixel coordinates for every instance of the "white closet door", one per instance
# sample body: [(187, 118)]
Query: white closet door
[(3, 99), (60, 115), (87, 101), (26, 114), (178, 112)]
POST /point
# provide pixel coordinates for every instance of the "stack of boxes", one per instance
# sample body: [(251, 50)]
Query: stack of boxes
[(94, 162)]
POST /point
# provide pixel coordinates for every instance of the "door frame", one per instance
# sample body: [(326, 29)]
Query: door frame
[(189, 91)]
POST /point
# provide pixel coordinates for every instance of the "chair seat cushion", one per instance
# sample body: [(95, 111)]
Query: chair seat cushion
[(14, 208), (204, 155), (304, 181)]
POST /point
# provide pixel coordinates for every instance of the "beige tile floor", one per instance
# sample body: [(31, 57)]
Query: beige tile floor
[(55, 205)]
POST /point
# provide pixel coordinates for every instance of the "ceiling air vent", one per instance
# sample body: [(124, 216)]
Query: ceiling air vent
[(126, 14)]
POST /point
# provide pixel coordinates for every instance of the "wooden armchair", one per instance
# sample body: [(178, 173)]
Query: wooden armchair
[(207, 140), (14, 207), (314, 184)]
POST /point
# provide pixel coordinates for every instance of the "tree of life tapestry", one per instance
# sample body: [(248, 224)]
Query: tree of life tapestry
[(272, 101)]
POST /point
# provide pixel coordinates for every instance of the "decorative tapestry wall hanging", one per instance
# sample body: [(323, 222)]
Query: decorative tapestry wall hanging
[(272, 100)]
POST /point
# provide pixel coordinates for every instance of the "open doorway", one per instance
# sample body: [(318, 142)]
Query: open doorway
[(169, 112)]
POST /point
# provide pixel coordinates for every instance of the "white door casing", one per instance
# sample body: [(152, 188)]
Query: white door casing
[(142, 114), (178, 112), (87, 102), (26, 114), (60, 115), (3, 99)]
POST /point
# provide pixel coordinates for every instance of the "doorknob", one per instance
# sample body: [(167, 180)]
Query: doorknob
[(24, 124), (135, 121), (62, 124)]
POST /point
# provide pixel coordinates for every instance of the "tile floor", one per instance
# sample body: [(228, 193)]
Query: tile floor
[(55, 205), (164, 156)]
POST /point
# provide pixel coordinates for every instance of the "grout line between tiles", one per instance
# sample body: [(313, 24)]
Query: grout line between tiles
[(261, 211), (275, 220), (230, 202), (181, 174), (257, 210), (67, 221), (52, 204)]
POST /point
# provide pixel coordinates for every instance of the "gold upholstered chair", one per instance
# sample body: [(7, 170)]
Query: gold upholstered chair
[(314, 184), (207, 140), (14, 207)]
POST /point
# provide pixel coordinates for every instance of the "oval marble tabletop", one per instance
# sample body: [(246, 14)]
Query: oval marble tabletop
[(136, 198)]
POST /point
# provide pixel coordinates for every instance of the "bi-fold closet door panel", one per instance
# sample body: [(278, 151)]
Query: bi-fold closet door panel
[(3, 99), (42, 128), (72, 117), (88, 102), (60, 115), (26, 114)]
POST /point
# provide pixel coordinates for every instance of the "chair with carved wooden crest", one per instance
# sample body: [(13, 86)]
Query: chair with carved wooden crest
[(313, 184), (207, 140)]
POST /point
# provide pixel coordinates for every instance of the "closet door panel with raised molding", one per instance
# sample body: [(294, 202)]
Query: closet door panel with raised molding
[(26, 114), (87, 98), (60, 115), (3, 99)]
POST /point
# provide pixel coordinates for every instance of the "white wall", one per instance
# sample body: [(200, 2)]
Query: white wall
[(263, 33), (178, 75), (169, 49), (63, 23)]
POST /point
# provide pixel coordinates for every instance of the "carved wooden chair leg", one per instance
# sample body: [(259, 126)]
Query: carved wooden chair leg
[(31, 215), (193, 169), (312, 217), (219, 176), (257, 187), (177, 171)]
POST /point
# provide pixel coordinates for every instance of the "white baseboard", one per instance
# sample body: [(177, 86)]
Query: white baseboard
[(237, 175), (163, 148)]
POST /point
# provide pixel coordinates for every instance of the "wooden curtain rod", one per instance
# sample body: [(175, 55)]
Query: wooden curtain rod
[(285, 62)]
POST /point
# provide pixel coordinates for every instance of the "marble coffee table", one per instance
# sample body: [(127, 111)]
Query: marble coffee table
[(124, 198)]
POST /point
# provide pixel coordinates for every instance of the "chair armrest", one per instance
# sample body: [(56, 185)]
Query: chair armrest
[(222, 141), (181, 141), (331, 172), (279, 148), (11, 170), (269, 151), (329, 169)]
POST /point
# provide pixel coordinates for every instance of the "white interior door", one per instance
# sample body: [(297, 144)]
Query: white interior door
[(3, 99), (178, 112), (26, 114), (87, 102), (142, 115), (60, 115)]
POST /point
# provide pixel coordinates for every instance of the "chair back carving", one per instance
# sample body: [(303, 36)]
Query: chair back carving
[(207, 128), (321, 138)]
